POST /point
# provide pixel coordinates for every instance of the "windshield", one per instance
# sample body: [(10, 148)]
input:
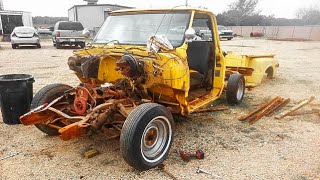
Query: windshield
[(70, 26), (138, 28), (24, 30), (221, 28)]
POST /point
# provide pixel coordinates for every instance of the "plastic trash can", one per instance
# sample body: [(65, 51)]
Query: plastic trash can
[(16, 92)]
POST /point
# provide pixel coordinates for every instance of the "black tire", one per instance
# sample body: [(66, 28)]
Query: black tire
[(38, 46), (82, 45), (229, 39), (147, 118), (58, 45), (14, 46), (202, 36), (46, 95), (235, 89), (54, 44)]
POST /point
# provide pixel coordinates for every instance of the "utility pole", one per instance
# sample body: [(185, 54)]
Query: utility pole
[(186, 2)]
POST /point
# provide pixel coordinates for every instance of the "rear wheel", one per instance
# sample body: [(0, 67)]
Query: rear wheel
[(14, 46), (229, 39), (82, 45), (58, 45), (146, 136), (235, 89), (47, 95)]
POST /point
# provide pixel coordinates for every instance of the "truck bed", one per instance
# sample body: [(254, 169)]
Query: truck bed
[(253, 67)]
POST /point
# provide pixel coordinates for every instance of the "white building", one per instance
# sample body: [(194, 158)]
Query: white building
[(92, 15), (11, 19)]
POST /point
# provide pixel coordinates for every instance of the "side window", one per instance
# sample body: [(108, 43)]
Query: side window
[(203, 27), (56, 26)]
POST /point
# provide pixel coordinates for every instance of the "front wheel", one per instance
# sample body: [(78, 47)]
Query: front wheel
[(235, 89), (47, 95), (146, 136)]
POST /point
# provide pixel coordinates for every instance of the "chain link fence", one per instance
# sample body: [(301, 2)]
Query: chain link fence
[(311, 33)]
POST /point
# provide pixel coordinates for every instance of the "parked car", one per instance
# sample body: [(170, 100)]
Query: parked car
[(44, 31), (225, 32), (24, 35), (68, 33), (179, 29)]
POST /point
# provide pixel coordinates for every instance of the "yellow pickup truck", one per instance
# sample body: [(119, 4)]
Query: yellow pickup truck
[(143, 66)]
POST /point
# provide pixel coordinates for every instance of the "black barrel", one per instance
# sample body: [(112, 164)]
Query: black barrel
[(16, 91)]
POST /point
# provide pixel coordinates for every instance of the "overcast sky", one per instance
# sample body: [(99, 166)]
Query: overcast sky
[(279, 8)]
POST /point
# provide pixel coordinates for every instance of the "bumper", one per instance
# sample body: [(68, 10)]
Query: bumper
[(25, 41), (226, 36), (70, 40)]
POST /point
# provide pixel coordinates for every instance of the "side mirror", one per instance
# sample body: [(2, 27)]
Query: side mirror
[(86, 33), (190, 34)]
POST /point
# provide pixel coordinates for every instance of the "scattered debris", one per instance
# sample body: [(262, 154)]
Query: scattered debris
[(314, 111), (186, 156), (210, 109), (163, 169), (10, 156), (278, 107), (91, 153), (265, 109), (157, 42), (206, 172), (256, 34), (296, 107)]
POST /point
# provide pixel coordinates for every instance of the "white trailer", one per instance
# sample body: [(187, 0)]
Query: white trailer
[(92, 16), (11, 19)]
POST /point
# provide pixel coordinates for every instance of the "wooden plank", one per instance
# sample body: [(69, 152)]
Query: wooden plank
[(253, 114), (294, 108), (278, 107), (266, 110), (314, 111)]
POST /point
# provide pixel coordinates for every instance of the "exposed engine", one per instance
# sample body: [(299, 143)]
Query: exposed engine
[(130, 67)]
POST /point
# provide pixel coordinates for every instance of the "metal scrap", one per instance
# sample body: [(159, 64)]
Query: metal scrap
[(266, 109), (296, 107), (210, 109), (206, 172), (9, 156), (163, 169), (278, 107)]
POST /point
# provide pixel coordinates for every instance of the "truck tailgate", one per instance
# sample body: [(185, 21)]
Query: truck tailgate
[(70, 33)]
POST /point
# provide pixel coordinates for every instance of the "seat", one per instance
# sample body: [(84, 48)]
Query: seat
[(199, 59)]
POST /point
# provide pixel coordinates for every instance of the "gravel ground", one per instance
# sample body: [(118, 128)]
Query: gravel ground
[(270, 149)]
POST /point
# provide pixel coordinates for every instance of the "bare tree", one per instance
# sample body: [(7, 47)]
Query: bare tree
[(240, 9), (309, 16)]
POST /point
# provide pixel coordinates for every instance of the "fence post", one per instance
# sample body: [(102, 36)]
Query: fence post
[(294, 28), (310, 32)]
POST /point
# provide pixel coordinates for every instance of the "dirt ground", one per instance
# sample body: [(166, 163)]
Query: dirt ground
[(270, 149)]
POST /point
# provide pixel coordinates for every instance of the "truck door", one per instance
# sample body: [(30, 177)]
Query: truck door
[(201, 57)]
